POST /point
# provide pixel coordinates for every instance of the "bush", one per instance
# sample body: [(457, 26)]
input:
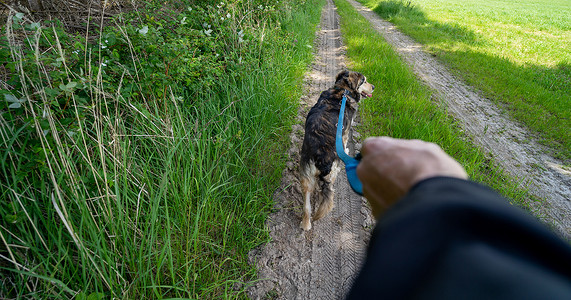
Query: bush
[(132, 163)]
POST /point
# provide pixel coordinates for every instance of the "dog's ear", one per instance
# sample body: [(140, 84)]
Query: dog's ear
[(349, 80), (345, 80), (355, 80), (343, 74)]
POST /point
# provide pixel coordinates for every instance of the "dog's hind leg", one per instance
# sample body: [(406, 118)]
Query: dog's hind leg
[(308, 175), (327, 192)]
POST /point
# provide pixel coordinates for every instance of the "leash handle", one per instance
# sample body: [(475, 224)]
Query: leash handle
[(350, 162)]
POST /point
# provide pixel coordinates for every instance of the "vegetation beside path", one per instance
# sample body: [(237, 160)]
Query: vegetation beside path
[(139, 158), (401, 106), (515, 52)]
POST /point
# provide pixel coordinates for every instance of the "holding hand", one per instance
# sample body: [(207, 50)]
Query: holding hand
[(390, 167)]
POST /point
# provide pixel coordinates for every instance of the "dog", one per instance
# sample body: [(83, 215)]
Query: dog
[(319, 163)]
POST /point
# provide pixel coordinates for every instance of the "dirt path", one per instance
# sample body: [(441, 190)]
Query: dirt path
[(320, 263), (511, 145)]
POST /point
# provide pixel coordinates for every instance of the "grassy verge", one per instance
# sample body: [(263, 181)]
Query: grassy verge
[(515, 52), (139, 161), (401, 107)]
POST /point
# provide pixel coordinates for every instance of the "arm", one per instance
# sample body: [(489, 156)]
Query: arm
[(449, 238)]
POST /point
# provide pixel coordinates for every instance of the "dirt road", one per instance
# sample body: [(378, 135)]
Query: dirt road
[(509, 143), (321, 263)]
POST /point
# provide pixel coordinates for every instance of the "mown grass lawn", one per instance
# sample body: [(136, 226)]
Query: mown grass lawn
[(401, 106), (515, 52)]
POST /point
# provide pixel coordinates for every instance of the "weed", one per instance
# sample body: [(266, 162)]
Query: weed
[(134, 161)]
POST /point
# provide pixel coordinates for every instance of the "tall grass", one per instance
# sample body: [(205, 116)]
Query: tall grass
[(515, 52), (118, 182), (401, 106)]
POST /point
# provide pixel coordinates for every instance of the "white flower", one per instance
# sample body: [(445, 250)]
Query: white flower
[(207, 32), (189, 9), (228, 16), (183, 21), (144, 30), (222, 18), (240, 36)]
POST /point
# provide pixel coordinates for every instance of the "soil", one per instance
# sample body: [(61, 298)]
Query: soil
[(322, 263)]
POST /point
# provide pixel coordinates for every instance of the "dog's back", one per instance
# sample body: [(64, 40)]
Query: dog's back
[(319, 163), (320, 130)]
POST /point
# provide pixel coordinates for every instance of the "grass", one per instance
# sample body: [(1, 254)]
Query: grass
[(515, 52), (122, 178), (401, 107)]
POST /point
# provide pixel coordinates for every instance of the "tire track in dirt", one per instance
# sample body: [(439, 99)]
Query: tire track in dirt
[(510, 144), (320, 263)]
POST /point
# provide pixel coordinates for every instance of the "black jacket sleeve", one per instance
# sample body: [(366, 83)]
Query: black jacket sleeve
[(455, 239)]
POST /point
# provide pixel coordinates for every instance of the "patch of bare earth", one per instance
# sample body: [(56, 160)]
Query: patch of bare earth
[(510, 144), (320, 263)]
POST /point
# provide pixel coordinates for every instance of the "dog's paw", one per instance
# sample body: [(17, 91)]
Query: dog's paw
[(305, 224)]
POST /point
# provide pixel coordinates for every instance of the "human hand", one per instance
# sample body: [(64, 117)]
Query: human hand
[(390, 167)]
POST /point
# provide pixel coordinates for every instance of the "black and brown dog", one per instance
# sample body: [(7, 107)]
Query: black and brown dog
[(319, 164)]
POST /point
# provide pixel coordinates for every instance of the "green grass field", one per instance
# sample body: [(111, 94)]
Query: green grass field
[(401, 106), (515, 52), (140, 161)]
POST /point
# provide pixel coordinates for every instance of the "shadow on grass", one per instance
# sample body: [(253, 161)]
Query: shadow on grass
[(537, 96), (406, 9)]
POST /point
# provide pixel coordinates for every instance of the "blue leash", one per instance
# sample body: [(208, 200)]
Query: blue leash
[(350, 162)]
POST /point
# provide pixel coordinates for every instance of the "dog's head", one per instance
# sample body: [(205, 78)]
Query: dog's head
[(356, 83)]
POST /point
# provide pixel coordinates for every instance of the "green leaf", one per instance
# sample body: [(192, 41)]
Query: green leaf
[(80, 296), (11, 218), (15, 105), (95, 296), (10, 98)]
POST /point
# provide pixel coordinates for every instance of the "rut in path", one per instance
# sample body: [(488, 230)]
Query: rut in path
[(510, 144), (320, 263)]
